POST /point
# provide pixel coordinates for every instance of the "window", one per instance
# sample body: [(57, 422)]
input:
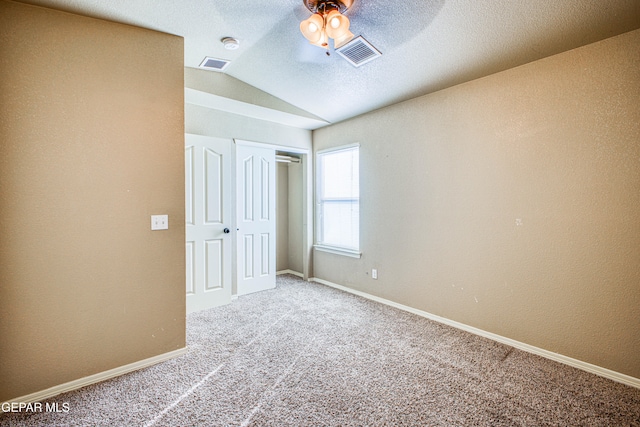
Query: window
[(338, 200)]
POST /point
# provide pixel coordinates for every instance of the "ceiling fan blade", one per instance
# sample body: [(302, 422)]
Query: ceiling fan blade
[(301, 12)]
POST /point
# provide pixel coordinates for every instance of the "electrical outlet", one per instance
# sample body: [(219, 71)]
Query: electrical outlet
[(374, 273), (159, 222)]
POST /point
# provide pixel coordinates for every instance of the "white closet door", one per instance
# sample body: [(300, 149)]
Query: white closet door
[(256, 218), (208, 221)]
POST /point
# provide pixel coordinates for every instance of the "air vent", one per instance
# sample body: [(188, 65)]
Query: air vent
[(358, 51), (214, 64)]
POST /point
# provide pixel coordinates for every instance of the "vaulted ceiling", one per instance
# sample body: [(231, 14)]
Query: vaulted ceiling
[(427, 45)]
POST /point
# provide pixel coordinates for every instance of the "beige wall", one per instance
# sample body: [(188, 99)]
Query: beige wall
[(282, 217), (289, 211), (296, 217), (91, 145), (209, 122), (510, 203), (229, 87)]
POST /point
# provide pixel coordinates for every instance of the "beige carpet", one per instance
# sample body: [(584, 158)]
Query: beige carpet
[(308, 355)]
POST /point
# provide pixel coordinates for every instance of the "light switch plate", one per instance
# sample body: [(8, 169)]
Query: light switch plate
[(159, 222)]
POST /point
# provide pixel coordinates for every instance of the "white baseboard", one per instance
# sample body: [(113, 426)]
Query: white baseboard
[(594, 369), (295, 273), (96, 378)]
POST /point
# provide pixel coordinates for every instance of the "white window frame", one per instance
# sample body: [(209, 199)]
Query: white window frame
[(355, 253)]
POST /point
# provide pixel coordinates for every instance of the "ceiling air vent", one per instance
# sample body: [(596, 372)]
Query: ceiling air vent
[(358, 51), (214, 64)]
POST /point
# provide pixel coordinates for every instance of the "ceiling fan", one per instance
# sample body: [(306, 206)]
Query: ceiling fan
[(328, 21)]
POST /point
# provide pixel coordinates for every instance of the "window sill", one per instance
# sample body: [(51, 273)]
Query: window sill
[(338, 251)]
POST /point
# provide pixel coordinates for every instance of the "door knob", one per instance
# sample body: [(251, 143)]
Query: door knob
[(226, 231)]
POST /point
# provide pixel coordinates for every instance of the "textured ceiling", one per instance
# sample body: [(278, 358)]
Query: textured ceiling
[(427, 45)]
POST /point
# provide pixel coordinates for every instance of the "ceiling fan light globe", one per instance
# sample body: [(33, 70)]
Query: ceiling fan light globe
[(323, 40), (310, 28), (338, 25)]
